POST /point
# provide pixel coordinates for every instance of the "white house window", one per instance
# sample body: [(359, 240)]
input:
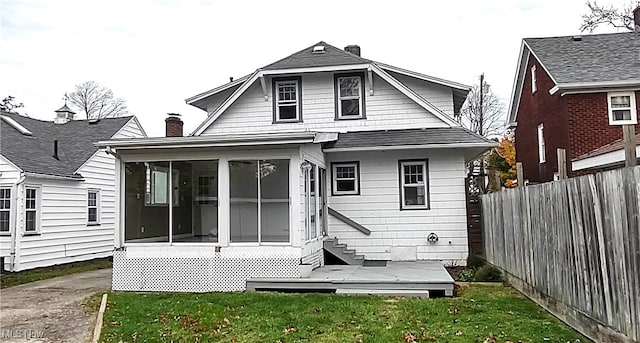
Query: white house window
[(5, 209), (349, 97), (32, 204), (287, 100), (534, 87), (542, 155), (414, 184), (346, 178), (622, 108), (93, 206)]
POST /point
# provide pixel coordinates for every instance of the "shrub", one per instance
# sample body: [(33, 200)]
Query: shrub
[(466, 275), (488, 273), (475, 261)]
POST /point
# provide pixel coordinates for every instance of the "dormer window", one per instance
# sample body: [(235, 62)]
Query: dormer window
[(622, 108), (287, 100), (350, 96)]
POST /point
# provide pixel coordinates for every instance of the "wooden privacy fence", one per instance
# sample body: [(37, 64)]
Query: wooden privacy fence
[(574, 245)]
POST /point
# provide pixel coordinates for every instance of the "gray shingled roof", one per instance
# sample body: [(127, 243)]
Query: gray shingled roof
[(383, 138), (34, 153), (595, 58), (305, 58)]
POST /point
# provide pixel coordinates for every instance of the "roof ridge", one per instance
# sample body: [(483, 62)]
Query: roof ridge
[(584, 35)]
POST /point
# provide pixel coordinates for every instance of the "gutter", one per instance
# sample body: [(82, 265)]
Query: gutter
[(14, 233), (416, 146), (53, 177), (632, 84)]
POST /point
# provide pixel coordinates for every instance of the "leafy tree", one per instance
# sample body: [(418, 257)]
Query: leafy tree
[(609, 15), (96, 101), (502, 161), (8, 104)]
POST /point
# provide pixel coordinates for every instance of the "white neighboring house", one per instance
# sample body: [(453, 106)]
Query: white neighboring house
[(320, 149), (57, 190)]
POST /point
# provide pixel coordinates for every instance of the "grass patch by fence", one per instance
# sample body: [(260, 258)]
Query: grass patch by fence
[(18, 278), (480, 314)]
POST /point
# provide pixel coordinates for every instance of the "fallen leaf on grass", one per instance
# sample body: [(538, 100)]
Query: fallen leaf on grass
[(290, 329), (410, 337), (458, 333)]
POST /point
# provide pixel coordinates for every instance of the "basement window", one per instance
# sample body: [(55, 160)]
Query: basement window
[(622, 108), (287, 100)]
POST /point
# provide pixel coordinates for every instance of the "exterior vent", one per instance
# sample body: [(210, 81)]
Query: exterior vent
[(23, 130), (318, 49), (576, 38)]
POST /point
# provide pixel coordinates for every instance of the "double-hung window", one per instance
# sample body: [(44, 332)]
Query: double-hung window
[(5, 209), (93, 206), (622, 108), (350, 96), (345, 178), (414, 192), (287, 100), (31, 209)]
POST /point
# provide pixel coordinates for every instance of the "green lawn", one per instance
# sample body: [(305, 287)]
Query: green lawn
[(14, 279), (479, 314)]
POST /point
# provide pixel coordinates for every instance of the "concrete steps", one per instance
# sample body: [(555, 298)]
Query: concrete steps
[(342, 252)]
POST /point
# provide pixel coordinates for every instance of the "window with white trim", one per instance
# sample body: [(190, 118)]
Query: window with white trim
[(287, 100), (31, 209), (542, 154), (534, 87), (345, 178), (414, 192), (93, 206), (5, 209), (622, 108), (350, 96)]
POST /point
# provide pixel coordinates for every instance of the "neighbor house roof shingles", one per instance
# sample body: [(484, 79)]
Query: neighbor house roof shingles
[(34, 153), (592, 58)]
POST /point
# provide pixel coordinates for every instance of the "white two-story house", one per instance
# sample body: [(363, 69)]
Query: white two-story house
[(57, 190), (319, 152)]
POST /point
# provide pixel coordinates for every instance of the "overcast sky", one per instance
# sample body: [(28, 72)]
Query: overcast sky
[(155, 54)]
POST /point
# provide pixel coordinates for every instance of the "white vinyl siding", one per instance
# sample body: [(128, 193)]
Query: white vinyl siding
[(130, 130), (377, 207), (387, 109), (438, 95)]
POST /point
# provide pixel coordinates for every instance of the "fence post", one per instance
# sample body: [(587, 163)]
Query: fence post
[(562, 163), (519, 175), (628, 137)]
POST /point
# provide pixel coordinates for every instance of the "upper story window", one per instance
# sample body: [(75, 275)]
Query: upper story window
[(542, 154), (287, 100), (5, 209), (350, 96), (534, 86), (622, 108)]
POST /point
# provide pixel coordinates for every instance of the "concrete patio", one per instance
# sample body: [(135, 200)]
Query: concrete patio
[(420, 278)]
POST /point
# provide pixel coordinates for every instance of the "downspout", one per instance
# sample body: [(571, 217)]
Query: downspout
[(14, 232)]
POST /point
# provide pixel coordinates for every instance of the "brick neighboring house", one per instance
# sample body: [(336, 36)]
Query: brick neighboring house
[(563, 90)]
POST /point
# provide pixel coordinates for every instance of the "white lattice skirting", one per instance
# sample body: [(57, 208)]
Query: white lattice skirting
[(197, 271)]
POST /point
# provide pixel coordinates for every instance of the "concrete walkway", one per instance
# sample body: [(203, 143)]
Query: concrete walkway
[(51, 310)]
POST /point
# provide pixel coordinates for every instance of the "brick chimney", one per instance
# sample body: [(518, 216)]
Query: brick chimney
[(354, 49), (173, 125), (636, 19)]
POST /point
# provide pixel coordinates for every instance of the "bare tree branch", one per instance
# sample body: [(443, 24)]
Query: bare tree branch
[(7, 104), (609, 15), (96, 101), (492, 115)]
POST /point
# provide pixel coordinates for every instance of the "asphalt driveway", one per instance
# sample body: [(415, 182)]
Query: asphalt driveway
[(51, 310)]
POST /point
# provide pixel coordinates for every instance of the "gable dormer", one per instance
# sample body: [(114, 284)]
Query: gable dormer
[(324, 88)]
